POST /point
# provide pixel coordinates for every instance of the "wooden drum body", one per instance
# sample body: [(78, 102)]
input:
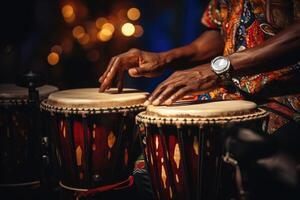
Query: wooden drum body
[(94, 136), (19, 144), (183, 146)]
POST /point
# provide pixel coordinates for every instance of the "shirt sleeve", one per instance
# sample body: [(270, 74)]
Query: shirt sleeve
[(211, 15)]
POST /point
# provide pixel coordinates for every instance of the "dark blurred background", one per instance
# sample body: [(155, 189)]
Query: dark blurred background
[(70, 42)]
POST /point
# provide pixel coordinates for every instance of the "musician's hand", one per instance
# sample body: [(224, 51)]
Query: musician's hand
[(181, 83), (136, 62)]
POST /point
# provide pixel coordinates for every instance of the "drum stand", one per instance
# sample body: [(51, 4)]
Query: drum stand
[(37, 137)]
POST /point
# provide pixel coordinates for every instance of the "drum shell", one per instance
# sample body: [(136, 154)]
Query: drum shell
[(185, 161), (93, 150), (19, 147)]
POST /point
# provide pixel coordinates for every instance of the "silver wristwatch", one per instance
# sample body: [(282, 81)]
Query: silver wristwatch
[(221, 66)]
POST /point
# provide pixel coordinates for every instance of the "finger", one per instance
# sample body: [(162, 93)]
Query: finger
[(110, 76), (165, 94), (178, 95), (111, 62), (141, 70), (120, 81), (155, 93), (138, 71), (161, 87)]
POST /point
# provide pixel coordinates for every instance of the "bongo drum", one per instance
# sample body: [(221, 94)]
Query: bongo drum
[(94, 135), (183, 146), (19, 144)]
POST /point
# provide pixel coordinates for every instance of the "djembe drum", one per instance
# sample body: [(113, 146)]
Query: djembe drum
[(20, 158), (183, 146), (95, 140)]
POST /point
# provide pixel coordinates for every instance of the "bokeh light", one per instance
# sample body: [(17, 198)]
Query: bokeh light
[(104, 35), (139, 31), (109, 26), (78, 32), (70, 19), (53, 58), (100, 21), (133, 14), (67, 11), (56, 49), (84, 40), (128, 29)]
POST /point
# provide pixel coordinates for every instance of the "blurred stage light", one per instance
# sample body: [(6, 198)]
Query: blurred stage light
[(56, 49), (104, 35), (139, 31), (128, 29), (78, 32), (67, 11), (84, 40), (133, 14), (53, 58), (109, 26), (100, 21), (70, 19)]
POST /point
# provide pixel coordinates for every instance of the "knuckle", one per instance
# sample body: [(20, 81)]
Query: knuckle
[(134, 50)]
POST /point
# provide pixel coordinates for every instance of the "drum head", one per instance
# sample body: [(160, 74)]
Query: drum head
[(213, 109), (89, 99), (201, 113), (11, 92)]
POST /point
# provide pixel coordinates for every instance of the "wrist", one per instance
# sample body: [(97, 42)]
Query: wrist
[(168, 58), (178, 56), (222, 67)]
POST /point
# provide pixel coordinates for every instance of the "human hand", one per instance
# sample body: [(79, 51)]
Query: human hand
[(136, 62), (181, 83)]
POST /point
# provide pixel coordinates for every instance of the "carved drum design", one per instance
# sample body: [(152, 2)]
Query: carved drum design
[(94, 134), (183, 146)]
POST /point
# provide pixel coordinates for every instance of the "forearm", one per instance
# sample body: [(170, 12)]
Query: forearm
[(209, 45), (281, 50)]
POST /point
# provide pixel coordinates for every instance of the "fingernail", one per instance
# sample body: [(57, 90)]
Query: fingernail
[(168, 102), (133, 71), (156, 102), (146, 103)]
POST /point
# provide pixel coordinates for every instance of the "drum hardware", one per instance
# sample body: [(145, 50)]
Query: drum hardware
[(238, 175), (32, 81), (21, 137)]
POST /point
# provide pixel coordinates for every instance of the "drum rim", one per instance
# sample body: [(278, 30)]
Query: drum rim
[(93, 110), (13, 102), (146, 119), (19, 101)]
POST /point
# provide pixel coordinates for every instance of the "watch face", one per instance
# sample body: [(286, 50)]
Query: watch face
[(220, 64)]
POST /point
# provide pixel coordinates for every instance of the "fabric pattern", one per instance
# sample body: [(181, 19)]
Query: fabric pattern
[(243, 25)]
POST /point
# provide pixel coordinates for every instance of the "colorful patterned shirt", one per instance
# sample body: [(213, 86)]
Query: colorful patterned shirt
[(246, 24)]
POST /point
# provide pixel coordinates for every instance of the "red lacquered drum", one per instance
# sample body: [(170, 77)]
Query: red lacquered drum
[(94, 135), (184, 148), (19, 146)]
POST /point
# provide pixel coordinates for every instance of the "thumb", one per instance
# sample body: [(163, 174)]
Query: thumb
[(138, 71)]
